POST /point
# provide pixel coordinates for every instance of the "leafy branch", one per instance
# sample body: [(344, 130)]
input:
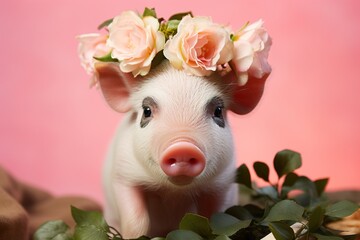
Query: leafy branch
[(273, 209)]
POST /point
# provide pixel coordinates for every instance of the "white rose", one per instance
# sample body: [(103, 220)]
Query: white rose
[(199, 46), (251, 50), (135, 41)]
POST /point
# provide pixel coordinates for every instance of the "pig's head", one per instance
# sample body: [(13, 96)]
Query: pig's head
[(181, 134)]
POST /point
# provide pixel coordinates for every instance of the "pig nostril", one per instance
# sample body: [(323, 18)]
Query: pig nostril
[(171, 161), (193, 161)]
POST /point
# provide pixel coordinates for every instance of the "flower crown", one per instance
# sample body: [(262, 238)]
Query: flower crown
[(139, 42)]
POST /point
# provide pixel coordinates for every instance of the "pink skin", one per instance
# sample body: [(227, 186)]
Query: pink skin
[(182, 161), (177, 159)]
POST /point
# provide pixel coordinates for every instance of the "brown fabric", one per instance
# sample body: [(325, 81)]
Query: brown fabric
[(24, 208)]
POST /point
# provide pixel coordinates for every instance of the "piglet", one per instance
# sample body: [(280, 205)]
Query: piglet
[(173, 152)]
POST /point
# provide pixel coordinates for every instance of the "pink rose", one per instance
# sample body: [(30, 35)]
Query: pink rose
[(90, 46), (135, 41), (251, 50), (199, 46)]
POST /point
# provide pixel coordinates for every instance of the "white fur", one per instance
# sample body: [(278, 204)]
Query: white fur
[(139, 198)]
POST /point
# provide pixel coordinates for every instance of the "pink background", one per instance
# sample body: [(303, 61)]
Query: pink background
[(54, 130)]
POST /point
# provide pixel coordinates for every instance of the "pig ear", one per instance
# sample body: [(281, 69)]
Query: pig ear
[(115, 85), (246, 97)]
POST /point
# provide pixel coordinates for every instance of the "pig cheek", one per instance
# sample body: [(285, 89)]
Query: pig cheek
[(219, 151), (146, 151)]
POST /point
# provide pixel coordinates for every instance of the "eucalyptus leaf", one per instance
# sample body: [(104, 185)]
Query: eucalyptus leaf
[(316, 218), (308, 187), (269, 191), (159, 57), (105, 23), (90, 225), (197, 224), (324, 237), (239, 212), (285, 210), (180, 16), (83, 218), (106, 58), (243, 176), (320, 185), (341, 209), (149, 12), (262, 170), (53, 230), (290, 179), (225, 224), (90, 232), (172, 25), (281, 231), (222, 237), (182, 235), (143, 238), (286, 161)]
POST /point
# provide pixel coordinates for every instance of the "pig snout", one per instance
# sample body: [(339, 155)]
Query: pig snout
[(182, 161)]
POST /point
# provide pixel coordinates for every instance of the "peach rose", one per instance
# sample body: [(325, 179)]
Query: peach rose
[(135, 42), (91, 45), (251, 50), (199, 46)]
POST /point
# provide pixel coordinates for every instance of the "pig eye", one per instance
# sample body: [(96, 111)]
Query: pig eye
[(216, 110), (148, 107), (218, 116), (147, 112)]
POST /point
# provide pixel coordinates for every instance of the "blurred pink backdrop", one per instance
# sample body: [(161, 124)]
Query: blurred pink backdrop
[(54, 130)]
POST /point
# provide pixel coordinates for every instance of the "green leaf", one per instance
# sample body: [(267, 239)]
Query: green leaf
[(243, 176), (262, 170), (105, 23), (90, 225), (169, 28), (90, 232), (281, 231), (316, 218), (290, 179), (159, 57), (320, 185), (53, 230), (269, 191), (106, 58), (286, 161), (149, 12), (225, 224), (179, 16), (324, 237), (197, 224), (310, 194), (285, 210), (183, 235), (222, 237), (341, 209), (239, 212), (143, 238)]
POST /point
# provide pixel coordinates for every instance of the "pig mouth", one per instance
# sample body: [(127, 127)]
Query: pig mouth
[(181, 180)]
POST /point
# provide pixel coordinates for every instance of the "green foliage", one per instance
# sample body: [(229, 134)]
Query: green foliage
[(292, 208), (53, 230)]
